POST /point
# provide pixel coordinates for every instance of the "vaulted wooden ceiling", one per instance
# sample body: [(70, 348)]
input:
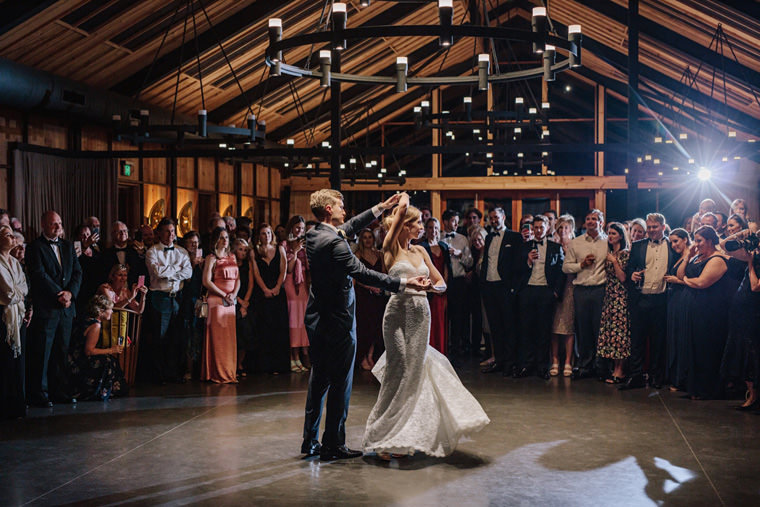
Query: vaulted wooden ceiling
[(136, 47)]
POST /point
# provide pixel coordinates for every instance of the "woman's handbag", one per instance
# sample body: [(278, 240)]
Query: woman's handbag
[(201, 307)]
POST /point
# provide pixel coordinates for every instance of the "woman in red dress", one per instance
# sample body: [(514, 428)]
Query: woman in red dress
[(439, 254), (370, 305), (221, 278), (297, 292)]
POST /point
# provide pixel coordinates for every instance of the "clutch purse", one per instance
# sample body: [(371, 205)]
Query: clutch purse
[(201, 308)]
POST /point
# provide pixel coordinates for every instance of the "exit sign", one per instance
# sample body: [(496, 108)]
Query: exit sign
[(126, 168)]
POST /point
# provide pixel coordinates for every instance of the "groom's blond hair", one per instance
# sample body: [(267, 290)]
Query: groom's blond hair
[(320, 199)]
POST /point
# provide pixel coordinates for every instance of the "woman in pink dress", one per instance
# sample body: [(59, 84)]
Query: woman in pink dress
[(439, 254), (222, 281), (297, 292)]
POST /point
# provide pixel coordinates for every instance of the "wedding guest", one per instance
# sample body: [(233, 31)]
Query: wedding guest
[(586, 258), (16, 225), (440, 256), (709, 299), (472, 218), (117, 289), (93, 223), (526, 231), (551, 215), (169, 267), (55, 277), (5, 218), (280, 234), (456, 292), (89, 261), (231, 225), (221, 279), (97, 370), (677, 313), (499, 275), (709, 219), (13, 324), (194, 326), (563, 325), (297, 292), (721, 228), (243, 232), (370, 305), (615, 333), (638, 230), (479, 324), (121, 253), (706, 206), (243, 315), (270, 307), (740, 359), (651, 259), (538, 290)]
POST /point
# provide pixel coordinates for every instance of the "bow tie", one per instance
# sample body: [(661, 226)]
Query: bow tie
[(167, 248), (655, 241), (496, 233), (449, 234), (52, 242)]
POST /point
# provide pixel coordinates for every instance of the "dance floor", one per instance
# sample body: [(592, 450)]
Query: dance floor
[(549, 443)]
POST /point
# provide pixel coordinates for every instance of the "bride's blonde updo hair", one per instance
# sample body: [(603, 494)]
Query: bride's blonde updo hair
[(412, 216)]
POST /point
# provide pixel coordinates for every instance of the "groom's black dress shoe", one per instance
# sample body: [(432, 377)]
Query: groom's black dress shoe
[(341, 452), (634, 382), (311, 449)]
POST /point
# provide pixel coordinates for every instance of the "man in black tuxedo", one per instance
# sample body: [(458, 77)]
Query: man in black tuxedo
[(539, 288), (651, 259), (499, 277), (122, 253), (330, 322), (55, 277)]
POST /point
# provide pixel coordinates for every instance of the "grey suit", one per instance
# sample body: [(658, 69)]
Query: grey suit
[(331, 326)]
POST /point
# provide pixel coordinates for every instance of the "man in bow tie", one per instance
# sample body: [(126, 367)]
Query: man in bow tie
[(55, 276), (169, 266), (330, 319), (121, 253), (651, 259), (456, 294)]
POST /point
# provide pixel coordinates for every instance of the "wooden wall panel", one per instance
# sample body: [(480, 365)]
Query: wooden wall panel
[(94, 138), (155, 170), (299, 205), (206, 174), (225, 202), (226, 177), (246, 183), (262, 180), (274, 187), (50, 133), (185, 196), (246, 206), (186, 172), (274, 212)]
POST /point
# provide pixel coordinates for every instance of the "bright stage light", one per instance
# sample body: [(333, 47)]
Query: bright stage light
[(704, 174)]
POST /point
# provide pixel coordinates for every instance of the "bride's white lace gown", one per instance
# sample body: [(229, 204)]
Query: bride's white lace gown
[(422, 404)]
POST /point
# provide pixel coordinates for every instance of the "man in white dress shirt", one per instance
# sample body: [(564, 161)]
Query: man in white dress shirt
[(586, 257), (169, 266), (461, 261)]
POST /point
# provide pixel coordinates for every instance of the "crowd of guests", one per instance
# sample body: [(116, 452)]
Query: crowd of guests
[(629, 303)]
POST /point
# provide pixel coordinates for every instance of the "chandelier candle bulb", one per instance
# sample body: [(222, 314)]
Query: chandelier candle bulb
[(339, 24), (445, 18), (574, 35), (538, 26), (402, 64), (275, 35), (549, 53), (325, 57), (484, 63), (202, 123)]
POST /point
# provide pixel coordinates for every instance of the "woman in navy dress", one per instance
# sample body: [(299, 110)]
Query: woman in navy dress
[(677, 324)]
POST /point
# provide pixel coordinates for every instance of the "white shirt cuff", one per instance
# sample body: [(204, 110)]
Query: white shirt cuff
[(376, 210), (402, 285)]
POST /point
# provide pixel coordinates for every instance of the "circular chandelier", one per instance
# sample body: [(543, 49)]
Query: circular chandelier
[(338, 36)]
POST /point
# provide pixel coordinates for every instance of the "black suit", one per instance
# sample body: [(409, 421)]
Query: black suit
[(50, 332), (648, 319), (134, 260), (331, 326), (535, 304), (499, 297)]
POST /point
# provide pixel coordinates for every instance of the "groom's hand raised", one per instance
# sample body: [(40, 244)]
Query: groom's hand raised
[(390, 202), (418, 283)]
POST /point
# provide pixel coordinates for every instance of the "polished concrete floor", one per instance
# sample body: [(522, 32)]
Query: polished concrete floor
[(555, 442)]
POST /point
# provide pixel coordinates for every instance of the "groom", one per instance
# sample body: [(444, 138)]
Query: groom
[(329, 319)]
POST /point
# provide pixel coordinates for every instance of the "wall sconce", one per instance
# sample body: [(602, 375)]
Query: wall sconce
[(445, 17), (538, 26), (402, 64), (574, 35), (339, 17)]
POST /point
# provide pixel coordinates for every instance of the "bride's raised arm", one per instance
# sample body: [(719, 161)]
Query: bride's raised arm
[(390, 243)]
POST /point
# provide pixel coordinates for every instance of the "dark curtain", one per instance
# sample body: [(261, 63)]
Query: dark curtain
[(74, 188)]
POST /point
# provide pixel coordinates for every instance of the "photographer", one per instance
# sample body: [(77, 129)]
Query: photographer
[(740, 358)]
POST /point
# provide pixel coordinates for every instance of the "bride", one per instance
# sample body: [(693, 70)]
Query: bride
[(422, 404)]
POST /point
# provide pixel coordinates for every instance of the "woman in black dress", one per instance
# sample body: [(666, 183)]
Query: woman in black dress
[(243, 320), (677, 325), (96, 367), (370, 305), (709, 294), (740, 359), (270, 307)]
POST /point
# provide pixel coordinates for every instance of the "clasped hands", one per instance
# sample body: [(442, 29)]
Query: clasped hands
[(64, 298), (419, 283)]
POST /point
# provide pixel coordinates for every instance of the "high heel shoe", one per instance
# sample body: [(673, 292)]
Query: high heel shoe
[(747, 408), (554, 370), (300, 366), (294, 367), (567, 371)]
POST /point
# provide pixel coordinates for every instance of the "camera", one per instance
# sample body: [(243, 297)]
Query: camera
[(749, 243)]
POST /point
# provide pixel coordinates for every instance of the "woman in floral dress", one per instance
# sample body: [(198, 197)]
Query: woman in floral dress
[(615, 333)]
